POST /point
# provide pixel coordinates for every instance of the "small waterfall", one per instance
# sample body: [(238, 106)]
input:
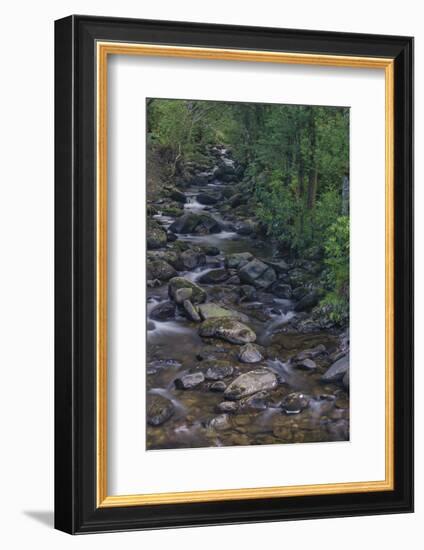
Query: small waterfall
[(193, 204)]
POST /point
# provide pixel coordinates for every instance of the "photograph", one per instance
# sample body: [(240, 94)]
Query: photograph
[(247, 262)]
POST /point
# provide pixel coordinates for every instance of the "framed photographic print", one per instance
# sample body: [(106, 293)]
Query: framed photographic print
[(233, 274)]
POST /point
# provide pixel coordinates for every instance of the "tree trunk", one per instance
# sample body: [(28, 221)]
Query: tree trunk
[(345, 195), (313, 169)]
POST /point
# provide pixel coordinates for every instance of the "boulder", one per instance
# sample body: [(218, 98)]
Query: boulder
[(227, 407), (227, 329), (191, 258), (250, 383), (156, 236), (337, 370), (258, 274), (198, 295), (210, 250), (201, 178), (195, 223), (214, 276), (207, 199), (159, 409), (306, 364), (163, 311), (238, 260), (257, 402), (246, 228), (183, 294), (172, 257), (176, 195), (189, 381), (295, 403), (211, 310), (308, 301), (299, 292), (248, 293), (281, 290), (311, 353), (280, 266), (217, 369), (191, 311), (221, 422), (219, 386), (250, 353), (237, 200), (160, 269)]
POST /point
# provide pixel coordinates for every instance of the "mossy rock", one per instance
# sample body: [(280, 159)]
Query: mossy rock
[(198, 295)]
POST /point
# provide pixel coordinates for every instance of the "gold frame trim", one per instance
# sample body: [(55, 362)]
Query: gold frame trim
[(119, 48)]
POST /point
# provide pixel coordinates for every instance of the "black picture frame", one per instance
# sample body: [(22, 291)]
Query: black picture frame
[(76, 510)]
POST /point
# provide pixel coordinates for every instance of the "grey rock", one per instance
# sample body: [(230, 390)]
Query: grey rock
[(192, 258), (198, 294), (176, 195), (295, 403), (160, 269), (249, 353), (221, 422), (219, 386), (248, 293), (337, 370), (183, 294), (228, 329), (308, 301), (282, 290), (256, 402), (156, 236), (218, 369), (246, 228), (211, 311), (159, 409), (189, 381), (195, 223), (227, 407), (311, 353), (163, 311), (250, 383), (238, 260), (258, 274), (306, 364), (191, 311), (214, 276), (208, 199)]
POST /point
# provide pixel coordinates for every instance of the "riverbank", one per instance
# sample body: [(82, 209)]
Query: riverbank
[(237, 351)]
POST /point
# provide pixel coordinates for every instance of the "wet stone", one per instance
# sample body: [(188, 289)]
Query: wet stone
[(250, 353), (306, 364), (218, 386), (227, 407), (295, 403), (250, 383), (159, 409), (183, 294), (221, 422), (189, 381), (218, 370), (191, 311), (227, 329), (163, 311)]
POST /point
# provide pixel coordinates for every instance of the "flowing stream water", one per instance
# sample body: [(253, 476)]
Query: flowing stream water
[(174, 347)]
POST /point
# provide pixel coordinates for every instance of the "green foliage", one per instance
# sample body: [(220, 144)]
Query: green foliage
[(336, 246), (295, 158)]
